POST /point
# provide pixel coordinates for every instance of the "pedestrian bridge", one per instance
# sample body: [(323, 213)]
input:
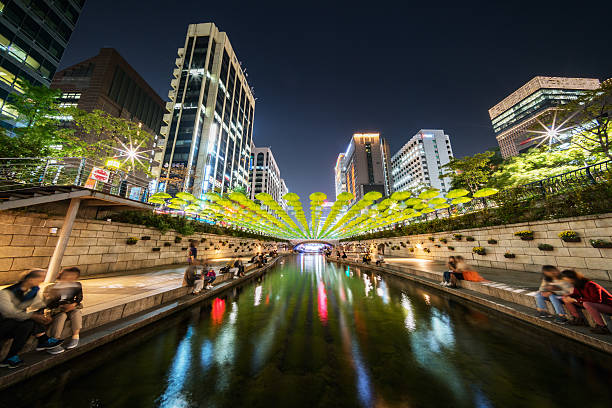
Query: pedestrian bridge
[(303, 244)]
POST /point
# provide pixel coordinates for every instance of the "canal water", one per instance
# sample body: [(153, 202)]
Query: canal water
[(316, 334)]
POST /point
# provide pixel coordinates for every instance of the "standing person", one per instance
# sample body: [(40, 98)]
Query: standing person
[(64, 300), (451, 264), (18, 324), (192, 255), (210, 278), (591, 296), (552, 288)]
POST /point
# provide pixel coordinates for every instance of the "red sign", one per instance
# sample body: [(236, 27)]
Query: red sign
[(99, 174)]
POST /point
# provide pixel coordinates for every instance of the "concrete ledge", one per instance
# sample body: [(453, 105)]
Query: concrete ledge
[(108, 324), (518, 303)]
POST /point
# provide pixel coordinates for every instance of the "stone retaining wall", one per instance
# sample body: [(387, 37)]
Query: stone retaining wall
[(596, 263), (100, 247)]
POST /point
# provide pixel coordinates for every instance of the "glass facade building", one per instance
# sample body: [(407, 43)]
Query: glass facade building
[(33, 37), (210, 117), (264, 175), (513, 117)]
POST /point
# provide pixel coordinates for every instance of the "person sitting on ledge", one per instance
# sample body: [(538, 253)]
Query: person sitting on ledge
[(344, 255), (210, 278), (552, 288), (18, 324), (366, 258), (193, 278), (589, 295), (379, 260), (64, 301), (464, 272), (451, 264)]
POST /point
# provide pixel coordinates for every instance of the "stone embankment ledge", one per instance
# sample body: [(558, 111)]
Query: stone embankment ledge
[(110, 321), (502, 297)]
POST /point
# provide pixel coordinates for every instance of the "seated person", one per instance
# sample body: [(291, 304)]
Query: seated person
[(193, 278), (451, 264), (344, 255), (253, 259), (552, 288), (18, 324), (464, 272), (239, 269), (379, 259), (210, 278), (589, 295), (64, 301)]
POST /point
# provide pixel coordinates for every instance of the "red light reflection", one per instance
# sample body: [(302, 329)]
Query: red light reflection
[(218, 308)]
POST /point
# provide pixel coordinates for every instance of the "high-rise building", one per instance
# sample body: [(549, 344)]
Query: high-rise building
[(264, 175), (108, 83), (210, 117), (366, 165), (514, 116), (33, 37), (419, 162), (340, 175)]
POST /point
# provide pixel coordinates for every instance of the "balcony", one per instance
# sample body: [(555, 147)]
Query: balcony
[(167, 118)]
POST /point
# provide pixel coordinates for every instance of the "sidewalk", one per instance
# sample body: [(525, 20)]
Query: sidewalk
[(118, 305), (509, 292)]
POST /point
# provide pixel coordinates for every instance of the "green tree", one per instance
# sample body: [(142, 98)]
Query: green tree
[(540, 163), (591, 115), (98, 135), (472, 172), (37, 131)]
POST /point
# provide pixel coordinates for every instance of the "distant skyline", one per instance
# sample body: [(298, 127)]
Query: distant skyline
[(326, 71)]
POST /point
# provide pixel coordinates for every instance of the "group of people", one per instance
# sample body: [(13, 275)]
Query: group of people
[(193, 276), (25, 312), (571, 289)]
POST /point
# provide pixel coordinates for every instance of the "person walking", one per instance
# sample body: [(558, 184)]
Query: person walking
[(589, 295), (192, 254)]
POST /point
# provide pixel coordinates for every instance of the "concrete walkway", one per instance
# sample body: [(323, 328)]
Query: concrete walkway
[(115, 306), (509, 292)]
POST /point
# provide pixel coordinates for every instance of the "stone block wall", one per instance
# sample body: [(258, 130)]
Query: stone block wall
[(100, 247), (595, 263)]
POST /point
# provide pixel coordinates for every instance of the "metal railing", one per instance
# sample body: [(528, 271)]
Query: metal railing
[(21, 173)]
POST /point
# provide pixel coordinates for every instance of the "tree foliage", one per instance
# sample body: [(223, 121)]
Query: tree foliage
[(37, 131), (472, 172), (591, 115)]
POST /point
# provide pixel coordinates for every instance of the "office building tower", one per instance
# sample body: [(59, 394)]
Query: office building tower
[(210, 119), (33, 37), (107, 82), (366, 165), (340, 175), (264, 175), (518, 113), (419, 162)]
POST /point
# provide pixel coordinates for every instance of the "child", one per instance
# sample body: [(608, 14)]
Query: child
[(64, 301), (210, 278)]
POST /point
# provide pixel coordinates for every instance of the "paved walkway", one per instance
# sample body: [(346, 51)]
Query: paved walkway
[(517, 279)]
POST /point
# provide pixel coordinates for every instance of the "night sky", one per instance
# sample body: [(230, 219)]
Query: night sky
[(326, 70)]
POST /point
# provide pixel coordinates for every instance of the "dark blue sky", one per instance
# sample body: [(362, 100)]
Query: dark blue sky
[(323, 71)]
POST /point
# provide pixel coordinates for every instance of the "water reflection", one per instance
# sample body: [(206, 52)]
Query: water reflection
[(312, 333)]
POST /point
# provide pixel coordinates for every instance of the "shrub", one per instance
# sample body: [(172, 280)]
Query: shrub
[(545, 247), (451, 248), (492, 241), (471, 239), (426, 250), (411, 249), (600, 243), (457, 237), (167, 244), (177, 240), (132, 241), (156, 249), (479, 250), (443, 240), (509, 255), (525, 235), (569, 236), (432, 239), (145, 238), (183, 248), (203, 240), (437, 246)]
